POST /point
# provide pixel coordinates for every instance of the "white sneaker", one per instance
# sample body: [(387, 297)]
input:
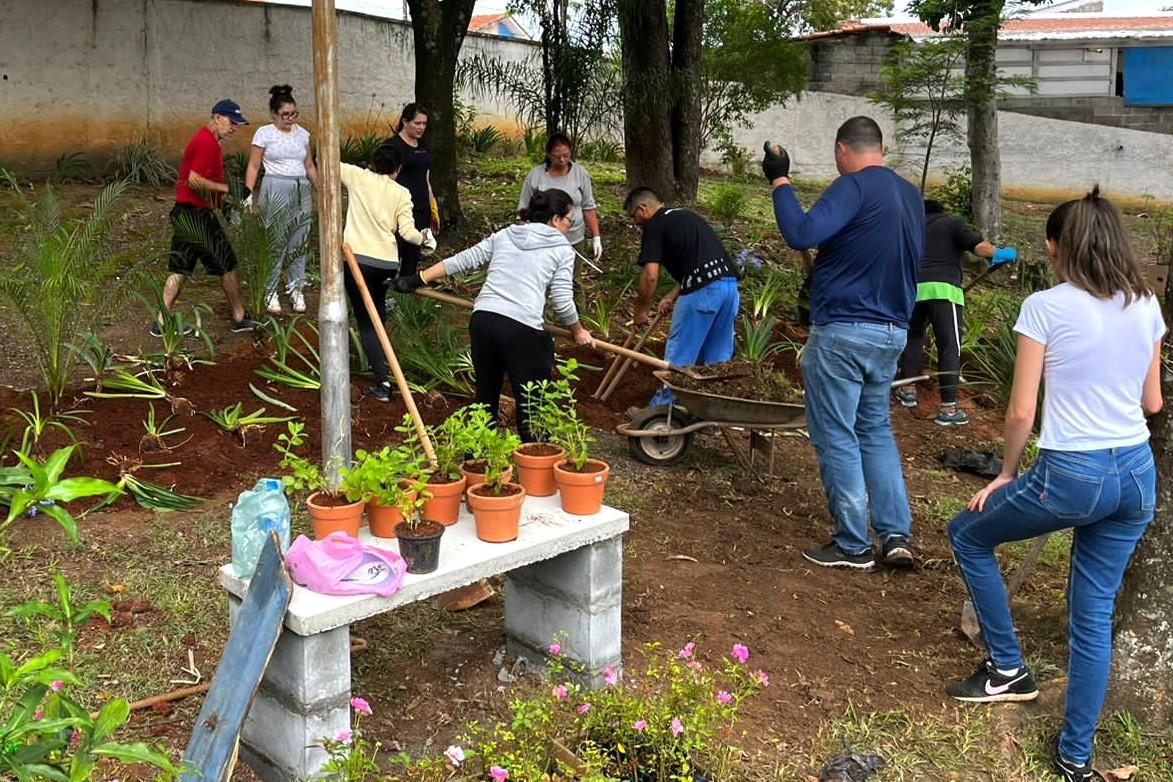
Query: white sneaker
[(273, 304), (298, 299)]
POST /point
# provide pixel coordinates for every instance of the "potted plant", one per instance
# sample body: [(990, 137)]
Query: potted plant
[(496, 503), (419, 539), (477, 422), (544, 403), (445, 479), (384, 479), (331, 510), (581, 479)]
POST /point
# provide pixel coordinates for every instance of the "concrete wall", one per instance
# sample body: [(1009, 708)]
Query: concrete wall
[(90, 75), (1037, 152), (849, 65)]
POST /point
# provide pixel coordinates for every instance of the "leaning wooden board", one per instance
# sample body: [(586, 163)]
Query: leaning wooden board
[(211, 753)]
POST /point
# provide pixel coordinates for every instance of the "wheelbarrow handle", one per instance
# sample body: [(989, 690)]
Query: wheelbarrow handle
[(608, 347)]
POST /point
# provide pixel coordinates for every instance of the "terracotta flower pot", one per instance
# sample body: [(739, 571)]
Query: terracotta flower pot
[(497, 517), (473, 478), (582, 492), (444, 505), (329, 515), (535, 468), (383, 518)]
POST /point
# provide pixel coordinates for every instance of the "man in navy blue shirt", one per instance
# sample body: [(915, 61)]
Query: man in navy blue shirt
[(869, 229)]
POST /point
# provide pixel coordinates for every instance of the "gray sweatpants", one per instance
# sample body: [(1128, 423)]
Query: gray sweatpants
[(292, 200)]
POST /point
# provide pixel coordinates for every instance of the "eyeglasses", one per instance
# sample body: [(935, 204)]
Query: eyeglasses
[(287, 114)]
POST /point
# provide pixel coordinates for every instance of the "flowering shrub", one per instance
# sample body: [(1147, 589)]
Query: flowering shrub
[(352, 758)]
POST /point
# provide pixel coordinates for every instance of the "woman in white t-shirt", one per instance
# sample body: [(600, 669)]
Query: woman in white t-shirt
[(286, 193), (1095, 340)]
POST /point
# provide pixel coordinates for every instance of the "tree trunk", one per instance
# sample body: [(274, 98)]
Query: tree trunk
[(1142, 660), (686, 109), (985, 159), (647, 104), (438, 28)]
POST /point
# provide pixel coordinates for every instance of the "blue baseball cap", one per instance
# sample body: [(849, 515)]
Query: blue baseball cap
[(231, 110)]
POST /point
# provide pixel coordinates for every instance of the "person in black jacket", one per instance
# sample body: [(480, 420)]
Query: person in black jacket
[(939, 303)]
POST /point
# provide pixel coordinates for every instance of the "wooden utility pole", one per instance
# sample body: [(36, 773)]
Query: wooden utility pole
[(332, 313)]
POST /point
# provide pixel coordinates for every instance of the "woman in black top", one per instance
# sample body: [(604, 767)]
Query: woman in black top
[(416, 159)]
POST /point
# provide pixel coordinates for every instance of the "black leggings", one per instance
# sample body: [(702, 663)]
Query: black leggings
[(409, 254), (947, 322), (502, 346), (376, 281)]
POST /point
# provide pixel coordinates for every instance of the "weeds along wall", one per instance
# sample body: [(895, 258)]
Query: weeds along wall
[(91, 75)]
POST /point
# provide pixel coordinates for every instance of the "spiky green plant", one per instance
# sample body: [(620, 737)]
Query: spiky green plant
[(66, 276)]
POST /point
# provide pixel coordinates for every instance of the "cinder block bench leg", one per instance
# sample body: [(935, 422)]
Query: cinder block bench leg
[(303, 698), (577, 596)]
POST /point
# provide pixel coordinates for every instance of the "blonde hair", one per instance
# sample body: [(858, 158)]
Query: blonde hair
[(1095, 253)]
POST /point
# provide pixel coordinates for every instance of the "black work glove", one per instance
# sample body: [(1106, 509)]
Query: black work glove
[(775, 163), (407, 284)]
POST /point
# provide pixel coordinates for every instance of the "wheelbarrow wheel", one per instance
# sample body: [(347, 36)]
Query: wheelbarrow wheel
[(660, 451)]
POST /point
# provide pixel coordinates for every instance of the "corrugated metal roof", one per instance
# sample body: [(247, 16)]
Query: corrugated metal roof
[(1033, 28)]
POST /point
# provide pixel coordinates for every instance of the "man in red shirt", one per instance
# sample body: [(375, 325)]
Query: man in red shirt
[(198, 236)]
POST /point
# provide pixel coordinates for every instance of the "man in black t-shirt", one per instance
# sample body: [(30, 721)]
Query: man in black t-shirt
[(705, 300), (939, 302)]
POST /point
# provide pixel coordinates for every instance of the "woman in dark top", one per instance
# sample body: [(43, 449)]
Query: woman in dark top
[(416, 159)]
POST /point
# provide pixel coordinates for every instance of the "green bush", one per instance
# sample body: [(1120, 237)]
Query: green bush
[(727, 202), (956, 195), (142, 162)]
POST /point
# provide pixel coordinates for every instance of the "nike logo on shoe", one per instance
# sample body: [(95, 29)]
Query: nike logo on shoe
[(1001, 689)]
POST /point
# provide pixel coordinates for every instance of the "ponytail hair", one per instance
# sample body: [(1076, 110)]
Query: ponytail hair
[(545, 205), (410, 112), (1095, 253), (279, 95)]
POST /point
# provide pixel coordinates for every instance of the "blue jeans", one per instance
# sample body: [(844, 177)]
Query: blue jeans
[(702, 328), (1107, 497), (847, 369)]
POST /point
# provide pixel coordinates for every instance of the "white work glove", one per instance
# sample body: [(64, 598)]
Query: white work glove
[(428, 245), (247, 203), (597, 244)]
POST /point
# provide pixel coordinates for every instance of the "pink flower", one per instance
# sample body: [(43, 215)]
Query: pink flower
[(74, 738), (686, 652), (361, 706), (582, 708), (56, 685), (639, 725), (344, 736), (610, 677), (762, 677), (560, 692), (724, 697), (694, 665), (498, 773), (740, 653), (677, 728), (455, 755), (38, 714), (555, 648)]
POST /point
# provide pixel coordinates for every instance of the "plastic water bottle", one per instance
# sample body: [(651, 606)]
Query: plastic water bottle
[(259, 511)]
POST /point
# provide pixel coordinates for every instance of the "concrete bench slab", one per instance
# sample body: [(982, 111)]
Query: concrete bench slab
[(564, 578)]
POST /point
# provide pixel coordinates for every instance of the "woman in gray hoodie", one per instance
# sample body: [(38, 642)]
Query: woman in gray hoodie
[(528, 263)]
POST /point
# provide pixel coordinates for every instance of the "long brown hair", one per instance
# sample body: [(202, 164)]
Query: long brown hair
[(1095, 253)]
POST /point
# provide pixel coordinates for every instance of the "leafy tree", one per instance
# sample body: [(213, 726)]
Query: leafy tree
[(438, 28)]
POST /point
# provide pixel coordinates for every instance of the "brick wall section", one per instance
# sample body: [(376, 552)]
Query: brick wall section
[(849, 65), (1109, 111)]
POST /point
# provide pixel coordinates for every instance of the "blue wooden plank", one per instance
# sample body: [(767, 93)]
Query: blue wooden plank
[(211, 753)]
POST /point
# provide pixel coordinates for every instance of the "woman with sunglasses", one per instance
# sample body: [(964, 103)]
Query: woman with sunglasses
[(283, 147)]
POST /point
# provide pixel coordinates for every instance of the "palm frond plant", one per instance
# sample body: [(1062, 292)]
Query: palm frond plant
[(149, 495), (174, 358), (141, 162), (261, 237), (97, 355), (67, 275), (432, 350), (123, 384), (234, 420), (357, 150), (295, 361)]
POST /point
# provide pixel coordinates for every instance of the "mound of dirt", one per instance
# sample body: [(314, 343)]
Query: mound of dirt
[(760, 381)]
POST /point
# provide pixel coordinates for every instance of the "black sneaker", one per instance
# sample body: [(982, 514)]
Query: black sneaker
[(156, 330), (986, 685), (246, 323), (831, 555), (1075, 772), (897, 553), (380, 392)]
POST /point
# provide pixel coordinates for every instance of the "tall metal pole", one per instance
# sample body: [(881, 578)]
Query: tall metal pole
[(332, 313)]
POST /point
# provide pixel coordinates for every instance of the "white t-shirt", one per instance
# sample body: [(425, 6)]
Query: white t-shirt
[(284, 152), (1097, 355)]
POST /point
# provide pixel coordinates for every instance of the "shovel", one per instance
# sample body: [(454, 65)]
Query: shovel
[(969, 621)]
